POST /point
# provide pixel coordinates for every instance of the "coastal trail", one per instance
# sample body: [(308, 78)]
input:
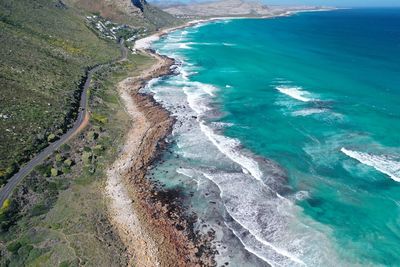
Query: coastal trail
[(137, 150)]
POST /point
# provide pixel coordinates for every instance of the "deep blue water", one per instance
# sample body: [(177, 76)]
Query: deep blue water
[(296, 120)]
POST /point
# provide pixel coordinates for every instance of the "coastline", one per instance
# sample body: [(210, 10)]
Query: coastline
[(150, 221), (153, 227)]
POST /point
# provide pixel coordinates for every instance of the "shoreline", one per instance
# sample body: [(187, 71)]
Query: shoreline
[(153, 226)]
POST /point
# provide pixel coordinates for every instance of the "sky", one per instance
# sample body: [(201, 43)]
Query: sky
[(337, 3)]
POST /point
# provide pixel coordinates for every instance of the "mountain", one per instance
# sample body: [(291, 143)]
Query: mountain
[(250, 8), (136, 13), (220, 8)]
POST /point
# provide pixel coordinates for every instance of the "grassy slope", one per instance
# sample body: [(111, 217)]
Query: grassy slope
[(45, 49), (61, 221)]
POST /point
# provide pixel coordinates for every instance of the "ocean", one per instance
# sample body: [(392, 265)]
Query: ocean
[(287, 140)]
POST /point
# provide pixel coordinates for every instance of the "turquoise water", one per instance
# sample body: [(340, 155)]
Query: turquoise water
[(292, 126)]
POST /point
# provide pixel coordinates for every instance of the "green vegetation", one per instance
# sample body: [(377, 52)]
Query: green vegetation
[(46, 49), (5, 206), (62, 220)]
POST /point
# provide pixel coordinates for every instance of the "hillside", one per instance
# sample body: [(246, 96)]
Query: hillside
[(57, 215), (46, 49), (136, 13), (47, 46)]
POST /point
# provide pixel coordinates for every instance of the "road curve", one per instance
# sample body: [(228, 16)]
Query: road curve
[(80, 123)]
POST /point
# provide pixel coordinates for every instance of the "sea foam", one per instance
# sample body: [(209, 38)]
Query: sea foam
[(295, 92), (229, 147), (263, 221), (382, 164)]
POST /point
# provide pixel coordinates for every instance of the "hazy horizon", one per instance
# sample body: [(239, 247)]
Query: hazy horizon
[(337, 3)]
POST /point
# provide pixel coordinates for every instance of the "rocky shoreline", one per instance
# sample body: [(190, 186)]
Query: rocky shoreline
[(153, 225)]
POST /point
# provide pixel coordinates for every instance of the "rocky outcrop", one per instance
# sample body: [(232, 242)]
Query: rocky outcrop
[(139, 4)]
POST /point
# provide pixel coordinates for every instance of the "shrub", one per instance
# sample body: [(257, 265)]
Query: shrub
[(59, 157), (54, 172), (9, 214), (51, 137), (66, 169), (68, 162), (65, 147), (87, 157), (14, 246), (8, 172), (92, 135), (5, 206), (44, 170)]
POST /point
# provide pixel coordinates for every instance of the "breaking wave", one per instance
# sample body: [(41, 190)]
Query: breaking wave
[(383, 164)]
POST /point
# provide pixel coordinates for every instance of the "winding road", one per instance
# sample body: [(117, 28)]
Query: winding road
[(80, 123)]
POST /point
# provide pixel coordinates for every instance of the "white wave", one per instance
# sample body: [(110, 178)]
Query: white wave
[(208, 88), (281, 257), (185, 75), (150, 85), (196, 100), (197, 93), (228, 86), (229, 147), (267, 225), (382, 163), (184, 46), (295, 92)]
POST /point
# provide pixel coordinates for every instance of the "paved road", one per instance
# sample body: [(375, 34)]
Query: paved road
[(81, 121)]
